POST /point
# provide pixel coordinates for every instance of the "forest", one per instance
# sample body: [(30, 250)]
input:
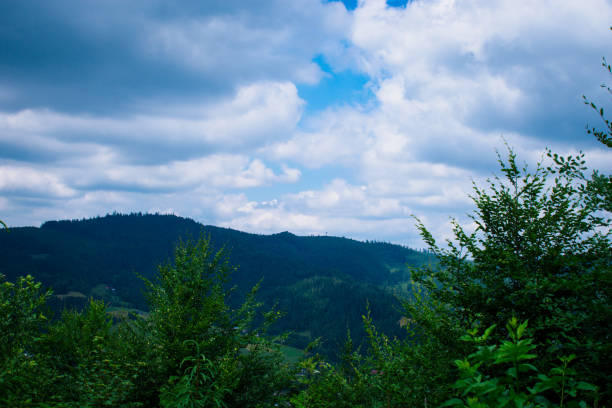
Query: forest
[(514, 314), (321, 283)]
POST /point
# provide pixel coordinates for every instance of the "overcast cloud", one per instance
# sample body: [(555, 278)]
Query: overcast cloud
[(309, 116)]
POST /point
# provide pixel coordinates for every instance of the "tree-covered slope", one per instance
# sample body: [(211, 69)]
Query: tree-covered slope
[(321, 283)]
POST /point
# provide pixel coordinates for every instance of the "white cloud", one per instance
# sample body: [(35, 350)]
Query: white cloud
[(336, 136), (275, 38), (339, 198), (448, 79), (485, 64), (223, 171), (452, 80), (257, 114), (19, 180), (339, 207)]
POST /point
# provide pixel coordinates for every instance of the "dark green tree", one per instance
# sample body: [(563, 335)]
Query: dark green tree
[(192, 350), (540, 252), (23, 316), (411, 371), (205, 353), (87, 357)]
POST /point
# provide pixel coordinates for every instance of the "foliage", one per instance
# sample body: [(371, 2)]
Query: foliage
[(209, 354), (199, 385), (86, 354), (540, 252), (520, 384), (390, 372), (22, 316), (193, 349), (322, 281), (74, 361), (187, 302)]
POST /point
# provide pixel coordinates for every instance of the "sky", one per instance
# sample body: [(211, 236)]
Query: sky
[(316, 117)]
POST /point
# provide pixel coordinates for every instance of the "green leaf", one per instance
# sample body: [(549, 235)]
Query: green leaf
[(521, 329), (581, 385), (454, 402)]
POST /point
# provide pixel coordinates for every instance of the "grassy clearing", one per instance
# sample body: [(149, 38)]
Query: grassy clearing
[(292, 355)]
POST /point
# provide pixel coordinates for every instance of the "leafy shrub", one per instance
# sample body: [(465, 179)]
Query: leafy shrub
[(22, 317), (540, 252), (206, 353), (390, 372), (501, 375), (193, 350)]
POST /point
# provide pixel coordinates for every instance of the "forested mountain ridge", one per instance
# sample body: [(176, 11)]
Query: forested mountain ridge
[(322, 283)]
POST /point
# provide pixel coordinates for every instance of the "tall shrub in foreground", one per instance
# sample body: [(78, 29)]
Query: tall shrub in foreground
[(22, 316), (540, 252), (204, 352)]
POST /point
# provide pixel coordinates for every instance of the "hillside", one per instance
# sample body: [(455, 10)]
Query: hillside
[(321, 283)]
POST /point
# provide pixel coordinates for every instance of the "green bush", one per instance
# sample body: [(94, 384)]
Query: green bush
[(193, 350), (22, 318), (506, 375), (390, 372), (540, 252), (205, 351)]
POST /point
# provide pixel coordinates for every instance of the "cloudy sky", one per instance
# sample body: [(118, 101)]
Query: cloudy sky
[(304, 115)]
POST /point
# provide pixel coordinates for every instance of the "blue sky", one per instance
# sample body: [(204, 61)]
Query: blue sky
[(339, 117)]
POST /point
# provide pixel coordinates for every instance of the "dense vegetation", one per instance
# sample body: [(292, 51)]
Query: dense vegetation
[(539, 264), (191, 350), (322, 283), (80, 254)]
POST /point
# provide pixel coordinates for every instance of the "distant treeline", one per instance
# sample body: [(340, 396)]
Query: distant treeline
[(322, 283)]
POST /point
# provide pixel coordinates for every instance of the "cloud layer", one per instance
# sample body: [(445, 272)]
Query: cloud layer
[(202, 108)]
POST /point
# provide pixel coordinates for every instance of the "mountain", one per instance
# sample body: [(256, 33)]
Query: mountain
[(322, 283)]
